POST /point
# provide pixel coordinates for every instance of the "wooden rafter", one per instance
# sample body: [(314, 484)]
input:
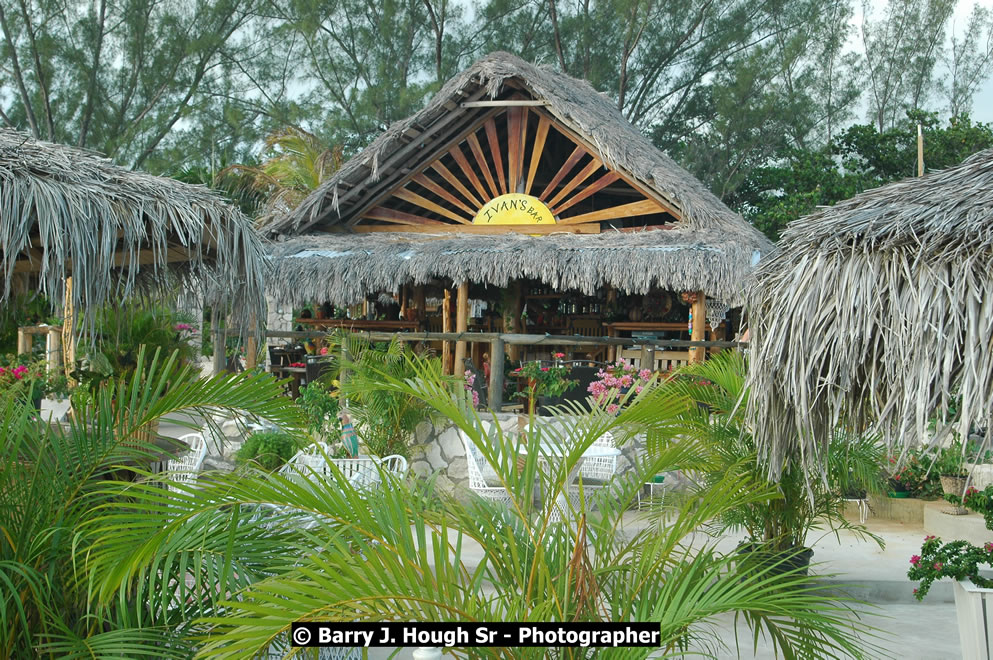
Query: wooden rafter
[(401, 218), (536, 151), (594, 187), (422, 180), (576, 156), (496, 153), (463, 162), (644, 207), (477, 152), (447, 175), (581, 228), (514, 147), (583, 175), (428, 205)]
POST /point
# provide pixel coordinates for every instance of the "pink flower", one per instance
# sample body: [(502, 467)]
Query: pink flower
[(915, 560), (915, 591), (475, 398), (544, 368), (626, 381), (938, 565), (638, 389), (989, 546), (324, 350), (612, 408), (559, 355), (928, 537), (179, 327)]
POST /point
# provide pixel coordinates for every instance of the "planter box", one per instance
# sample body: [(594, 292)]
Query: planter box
[(974, 611)]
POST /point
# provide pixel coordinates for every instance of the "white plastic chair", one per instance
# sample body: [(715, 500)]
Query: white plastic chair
[(479, 470), (185, 468), (599, 470)]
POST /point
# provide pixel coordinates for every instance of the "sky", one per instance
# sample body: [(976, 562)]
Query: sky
[(982, 103)]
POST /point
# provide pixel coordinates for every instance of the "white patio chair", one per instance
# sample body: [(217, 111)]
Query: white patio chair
[(280, 648), (595, 473), (184, 469), (480, 470)]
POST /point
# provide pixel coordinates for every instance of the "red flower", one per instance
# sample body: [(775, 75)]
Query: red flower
[(929, 537), (544, 368), (938, 565), (915, 560)]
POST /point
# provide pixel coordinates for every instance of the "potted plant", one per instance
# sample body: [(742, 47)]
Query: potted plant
[(950, 469), (551, 380), (777, 528)]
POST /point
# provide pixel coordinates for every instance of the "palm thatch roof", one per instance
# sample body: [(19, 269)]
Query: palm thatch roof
[(67, 212), (706, 246), (343, 268), (879, 310)]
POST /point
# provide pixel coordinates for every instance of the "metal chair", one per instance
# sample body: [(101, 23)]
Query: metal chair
[(476, 463), (184, 469)]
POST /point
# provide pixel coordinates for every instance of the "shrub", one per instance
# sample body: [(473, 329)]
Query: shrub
[(269, 450)]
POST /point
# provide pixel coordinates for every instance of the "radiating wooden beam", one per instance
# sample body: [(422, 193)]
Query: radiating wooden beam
[(443, 228), (496, 152), (574, 158), (424, 181), (537, 150), (513, 148), (427, 204), (399, 217), (456, 153), (644, 207), (447, 175), (591, 189), (477, 152), (583, 175)]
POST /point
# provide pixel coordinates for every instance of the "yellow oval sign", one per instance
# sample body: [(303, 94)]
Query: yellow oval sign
[(514, 209)]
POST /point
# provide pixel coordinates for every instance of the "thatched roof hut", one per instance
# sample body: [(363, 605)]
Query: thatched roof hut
[(407, 208), (879, 310), (67, 212)]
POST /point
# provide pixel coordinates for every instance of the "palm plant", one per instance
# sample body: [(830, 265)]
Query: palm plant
[(53, 481), (802, 504), (403, 553), (297, 163)]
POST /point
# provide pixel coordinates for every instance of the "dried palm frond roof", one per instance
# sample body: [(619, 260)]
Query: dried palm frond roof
[(572, 102), (344, 268), (68, 212), (878, 310)]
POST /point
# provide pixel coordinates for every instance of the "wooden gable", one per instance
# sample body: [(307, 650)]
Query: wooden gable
[(511, 146)]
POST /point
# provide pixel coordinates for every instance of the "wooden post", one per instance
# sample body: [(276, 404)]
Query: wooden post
[(217, 336), (648, 357), (513, 318), (419, 302), (446, 326), (68, 330), (403, 302), (53, 349), (495, 387), (920, 150), (23, 342), (461, 325), (699, 312)]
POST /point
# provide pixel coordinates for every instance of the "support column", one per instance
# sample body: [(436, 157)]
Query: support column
[(68, 330), (217, 339), (420, 302), (53, 349), (495, 386), (461, 325), (446, 326), (699, 313), (512, 318), (23, 342)]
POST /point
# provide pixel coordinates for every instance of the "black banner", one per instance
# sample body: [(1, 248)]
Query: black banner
[(499, 634)]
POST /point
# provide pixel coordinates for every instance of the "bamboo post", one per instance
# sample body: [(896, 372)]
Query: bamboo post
[(403, 302), (446, 326), (514, 317), (251, 344), (461, 325), (53, 348), (699, 314), (495, 386), (23, 342), (420, 301), (68, 330)]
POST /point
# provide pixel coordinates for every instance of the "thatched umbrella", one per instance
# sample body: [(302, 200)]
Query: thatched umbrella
[(878, 311), (67, 213)]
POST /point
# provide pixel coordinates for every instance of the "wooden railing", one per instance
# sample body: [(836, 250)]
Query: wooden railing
[(499, 340)]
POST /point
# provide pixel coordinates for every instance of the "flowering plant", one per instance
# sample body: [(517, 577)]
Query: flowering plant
[(20, 372), (915, 476), (958, 559), (615, 381), (543, 381), (470, 379)]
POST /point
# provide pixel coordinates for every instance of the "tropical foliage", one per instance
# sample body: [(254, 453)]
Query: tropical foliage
[(53, 485), (211, 564), (802, 503)]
